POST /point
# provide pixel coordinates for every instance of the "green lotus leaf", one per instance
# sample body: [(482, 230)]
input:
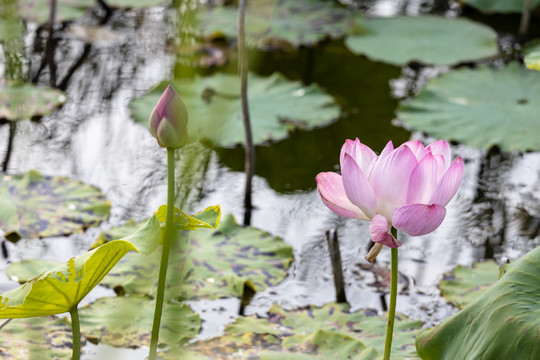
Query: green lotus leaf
[(463, 285), (25, 270), (480, 108), (27, 101), (532, 60), (426, 39), (277, 106), (502, 323), (329, 332), (500, 6), (220, 263), (272, 24), (208, 218), (34, 206), (127, 322), (24, 339), (58, 290)]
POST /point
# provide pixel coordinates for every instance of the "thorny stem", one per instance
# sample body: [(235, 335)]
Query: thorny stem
[(76, 332), (167, 239), (393, 298)]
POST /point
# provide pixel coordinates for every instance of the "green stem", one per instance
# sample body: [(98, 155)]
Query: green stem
[(76, 333), (167, 239), (392, 308)]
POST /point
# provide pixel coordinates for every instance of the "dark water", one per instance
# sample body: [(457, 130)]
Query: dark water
[(93, 139)]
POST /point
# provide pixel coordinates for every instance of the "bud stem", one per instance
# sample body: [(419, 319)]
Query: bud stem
[(167, 238)]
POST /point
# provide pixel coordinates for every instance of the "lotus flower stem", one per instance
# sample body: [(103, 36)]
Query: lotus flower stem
[(169, 230), (393, 299), (76, 332)]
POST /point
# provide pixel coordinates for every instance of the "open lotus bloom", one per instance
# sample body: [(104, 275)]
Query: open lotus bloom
[(407, 188)]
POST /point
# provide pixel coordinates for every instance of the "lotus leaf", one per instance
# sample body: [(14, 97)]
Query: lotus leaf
[(39, 10), (220, 263), (277, 106), (25, 270), (34, 205), (500, 6), (272, 24), (502, 323), (127, 322), (532, 60), (24, 339), (463, 285), (58, 290), (480, 108), (426, 39), (311, 333), (27, 101)]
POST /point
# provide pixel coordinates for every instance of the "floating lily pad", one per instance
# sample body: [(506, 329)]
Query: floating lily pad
[(502, 323), (277, 106), (500, 6), (34, 205), (23, 271), (220, 263), (426, 39), (24, 339), (330, 332), (58, 290), (463, 285), (480, 108), (39, 10), (27, 101), (272, 24), (127, 322)]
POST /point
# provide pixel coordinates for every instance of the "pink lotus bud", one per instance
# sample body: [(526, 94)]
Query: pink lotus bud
[(169, 119)]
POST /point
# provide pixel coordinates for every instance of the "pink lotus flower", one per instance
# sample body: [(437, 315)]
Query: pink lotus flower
[(407, 188), (169, 119)]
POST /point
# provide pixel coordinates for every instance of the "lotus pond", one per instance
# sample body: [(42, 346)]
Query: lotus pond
[(81, 172)]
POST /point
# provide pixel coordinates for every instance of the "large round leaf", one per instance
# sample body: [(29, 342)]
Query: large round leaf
[(426, 39), (127, 322), (330, 332), (480, 108), (500, 6), (274, 24), (463, 285), (25, 270), (276, 107), (502, 323), (27, 101), (24, 339), (220, 263), (34, 205), (59, 290)]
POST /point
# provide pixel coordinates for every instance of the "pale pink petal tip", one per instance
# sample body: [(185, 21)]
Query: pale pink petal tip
[(330, 187), (378, 229)]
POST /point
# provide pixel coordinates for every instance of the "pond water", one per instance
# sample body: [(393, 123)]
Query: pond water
[(495, 213)]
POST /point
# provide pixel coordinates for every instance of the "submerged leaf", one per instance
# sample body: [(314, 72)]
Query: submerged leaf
[(277, 106), (425, 39), (34, 205), (272, 24), (502, 323), (127, 322), (24, 339), (480, 108), (59, 290), (329, 332), (220, 263), (463, 285)]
